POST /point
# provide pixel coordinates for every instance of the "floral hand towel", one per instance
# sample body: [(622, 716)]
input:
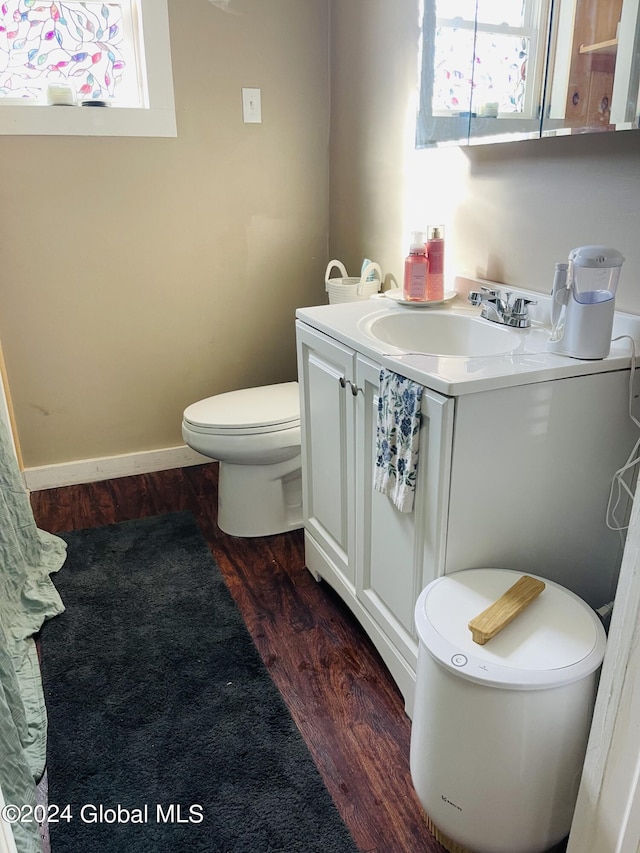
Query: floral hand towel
[(397, 437)]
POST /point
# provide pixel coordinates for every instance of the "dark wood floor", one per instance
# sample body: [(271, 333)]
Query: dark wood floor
[(338, 691)]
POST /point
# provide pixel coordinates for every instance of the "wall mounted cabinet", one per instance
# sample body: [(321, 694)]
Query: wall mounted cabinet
[(594, 68), (497, 72)]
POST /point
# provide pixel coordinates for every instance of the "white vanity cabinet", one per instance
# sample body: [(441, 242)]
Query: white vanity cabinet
[(512, 476), (377, 558)]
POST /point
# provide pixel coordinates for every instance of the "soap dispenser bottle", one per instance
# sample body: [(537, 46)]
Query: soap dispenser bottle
[(415, 270), (435, 254)]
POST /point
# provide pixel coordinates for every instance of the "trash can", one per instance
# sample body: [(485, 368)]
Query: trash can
[(500, 725)]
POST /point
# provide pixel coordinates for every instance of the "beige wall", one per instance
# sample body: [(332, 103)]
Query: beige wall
[(511, 211), (139, 275)]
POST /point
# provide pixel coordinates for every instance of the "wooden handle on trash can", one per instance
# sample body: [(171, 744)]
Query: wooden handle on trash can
[(487, 624)]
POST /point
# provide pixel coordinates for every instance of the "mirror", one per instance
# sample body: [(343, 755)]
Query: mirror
[(499, 70)]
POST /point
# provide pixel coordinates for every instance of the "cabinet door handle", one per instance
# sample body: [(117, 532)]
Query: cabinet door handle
[(344, 382)]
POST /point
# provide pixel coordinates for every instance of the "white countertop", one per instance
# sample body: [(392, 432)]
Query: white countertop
[(455, 375)]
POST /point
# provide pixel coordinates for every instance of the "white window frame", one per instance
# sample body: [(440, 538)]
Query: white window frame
[(157, 119)]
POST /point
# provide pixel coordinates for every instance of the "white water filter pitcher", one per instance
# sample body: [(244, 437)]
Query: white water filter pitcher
[(583, 302)]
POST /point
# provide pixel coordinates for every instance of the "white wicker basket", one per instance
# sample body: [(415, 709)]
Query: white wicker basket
[(352, 288)]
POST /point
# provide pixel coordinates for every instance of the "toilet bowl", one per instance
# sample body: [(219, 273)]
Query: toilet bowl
[(254, 433)]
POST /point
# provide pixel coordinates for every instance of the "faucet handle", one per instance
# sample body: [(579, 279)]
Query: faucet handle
[(520, 306), (485, 294), (490, 292)]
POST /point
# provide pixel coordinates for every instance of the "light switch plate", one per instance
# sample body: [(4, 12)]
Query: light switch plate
[(251, 106)]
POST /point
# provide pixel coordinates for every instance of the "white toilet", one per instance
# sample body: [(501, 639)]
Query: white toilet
[(255, 435)]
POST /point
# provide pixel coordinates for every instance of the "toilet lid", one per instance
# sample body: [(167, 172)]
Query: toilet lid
[(250, 408)]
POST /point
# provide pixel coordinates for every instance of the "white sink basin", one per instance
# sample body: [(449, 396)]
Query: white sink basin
[(442, 334)]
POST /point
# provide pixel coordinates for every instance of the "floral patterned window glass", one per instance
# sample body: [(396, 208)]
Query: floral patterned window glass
[(472, 69), (453, 69), (87, 46)]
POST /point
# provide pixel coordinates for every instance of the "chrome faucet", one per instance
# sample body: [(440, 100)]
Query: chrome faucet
[(499, 308)]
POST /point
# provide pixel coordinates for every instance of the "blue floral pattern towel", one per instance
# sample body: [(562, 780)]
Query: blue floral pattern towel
[(397, 437)]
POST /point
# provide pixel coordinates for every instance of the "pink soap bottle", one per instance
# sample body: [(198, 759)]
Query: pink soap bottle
[(435, 254), (415, 270)]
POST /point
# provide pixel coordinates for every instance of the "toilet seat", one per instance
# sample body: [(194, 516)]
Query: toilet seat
[(249, 411), (254, 434)]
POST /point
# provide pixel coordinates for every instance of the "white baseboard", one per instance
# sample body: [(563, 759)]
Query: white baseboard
[(108, 467)]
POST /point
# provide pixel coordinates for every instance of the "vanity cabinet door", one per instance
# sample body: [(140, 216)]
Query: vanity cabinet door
[(377, 558), (399, 553), (326, 375)]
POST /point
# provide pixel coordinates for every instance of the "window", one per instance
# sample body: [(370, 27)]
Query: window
[(480, 59), (57, 57)]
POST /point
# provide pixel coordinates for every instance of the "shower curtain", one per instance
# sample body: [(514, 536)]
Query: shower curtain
[(27, 598)]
